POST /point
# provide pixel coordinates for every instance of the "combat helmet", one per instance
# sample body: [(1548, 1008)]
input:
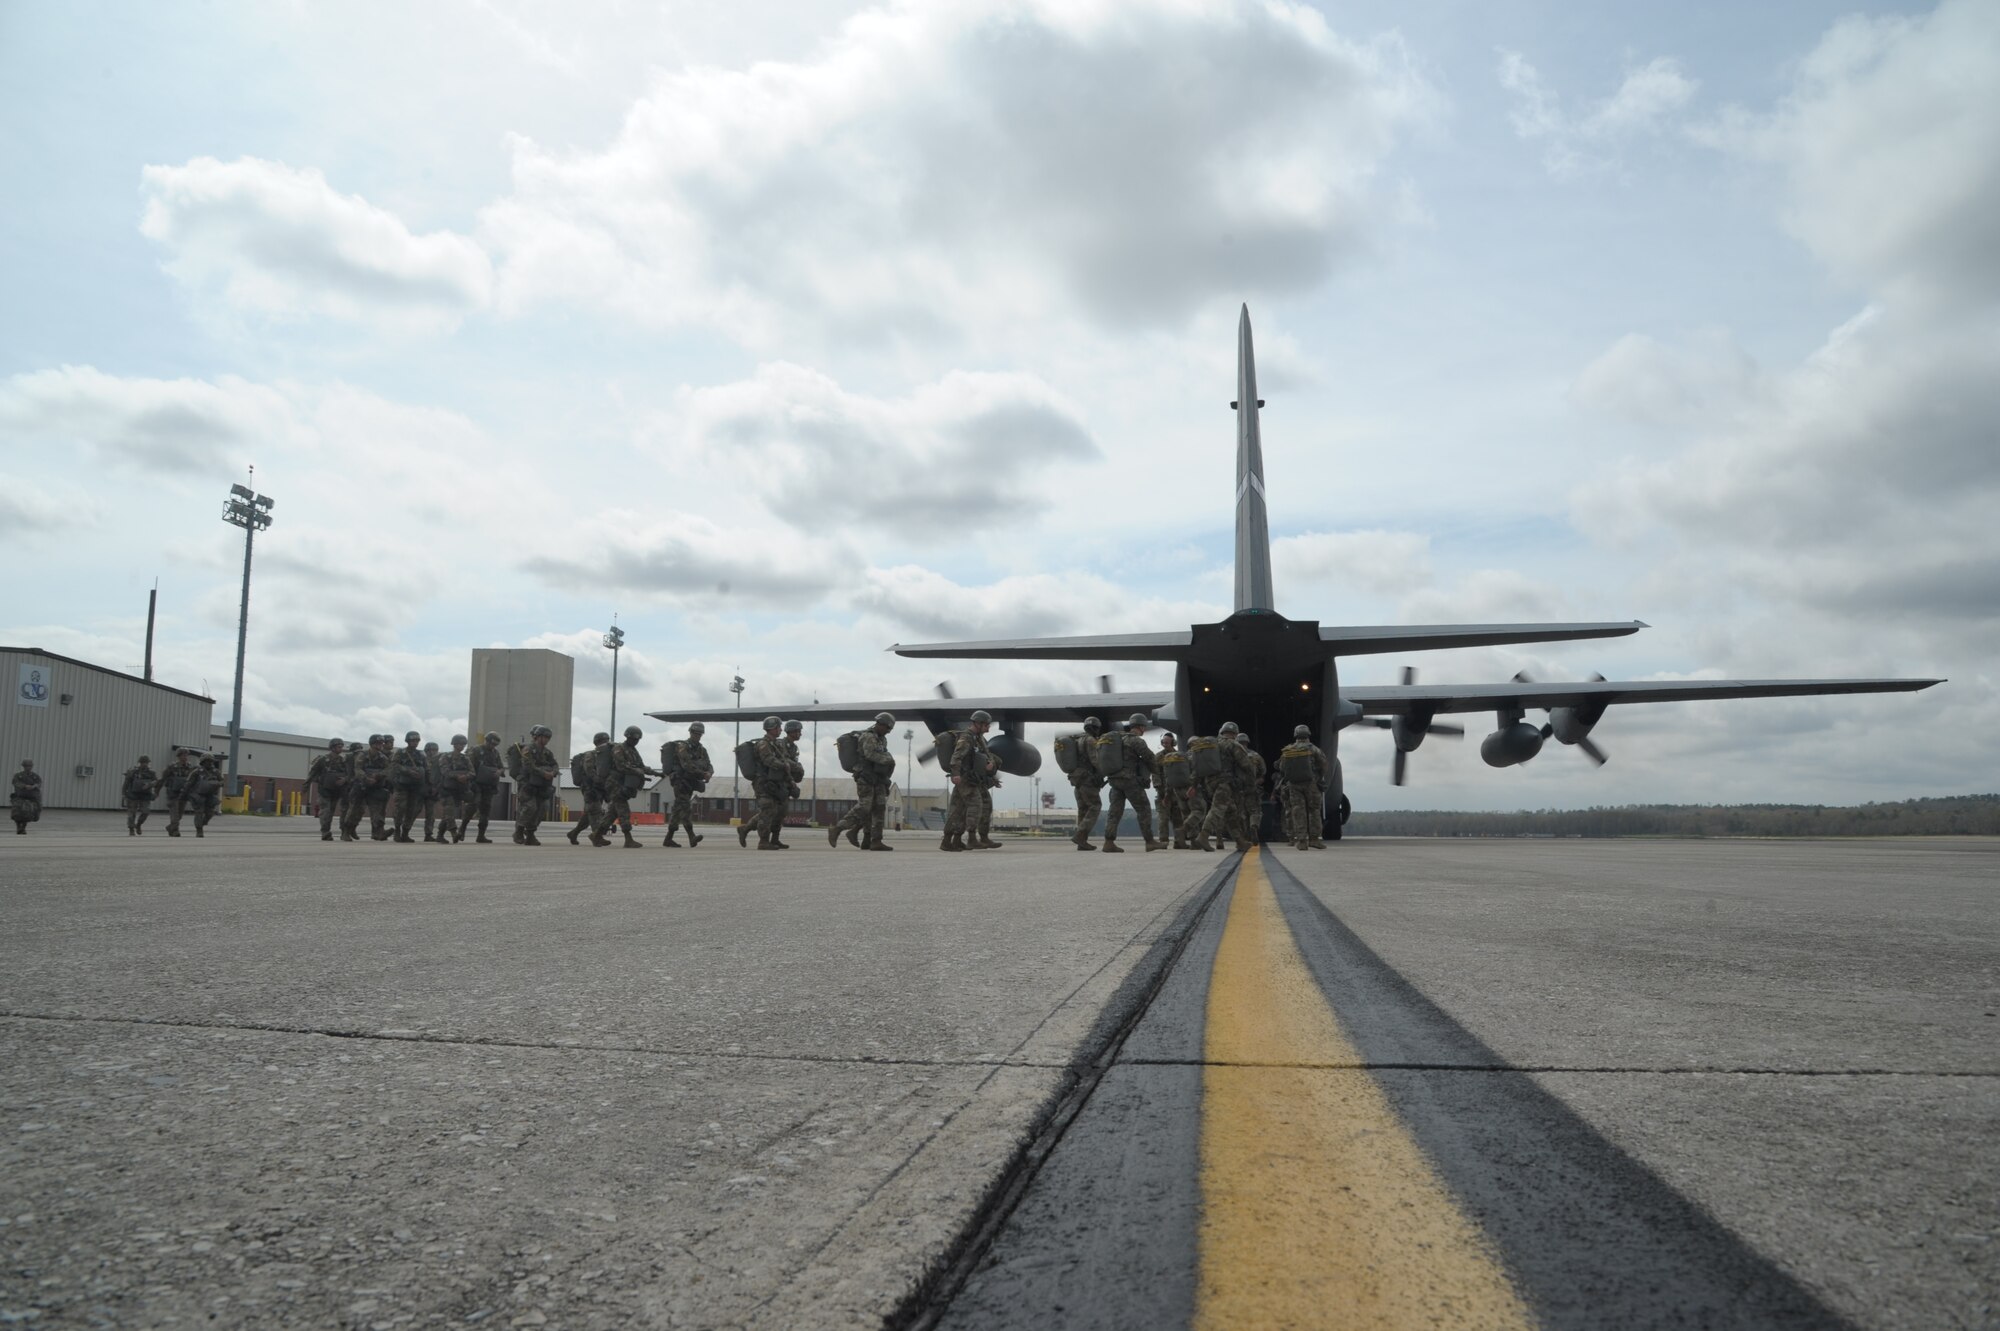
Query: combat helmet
[(492, 737), (457, 740), (1302, 732), (1230, 728), (541, 732), (773, 722), (979, 718), (884, 719), (601, 737), (1138, 721), (411, 737), (795, 728), (1092, 725), (633, 732), (697, 728)]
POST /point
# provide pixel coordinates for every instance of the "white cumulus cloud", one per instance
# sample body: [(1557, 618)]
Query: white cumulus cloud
[(1646, 101)]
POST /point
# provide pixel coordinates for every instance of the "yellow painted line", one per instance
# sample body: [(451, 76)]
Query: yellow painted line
[(1318, 1207)]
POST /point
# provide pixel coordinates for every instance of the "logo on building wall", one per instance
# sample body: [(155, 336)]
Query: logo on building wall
[(34, 690)]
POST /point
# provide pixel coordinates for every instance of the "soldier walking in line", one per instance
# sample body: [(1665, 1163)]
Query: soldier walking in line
[(328, 776), (431, 782), (874, 766), (689, 770), (793, 767), (1087, 784), (1126, 761), (205, 793), (539, 769), (487, 764), (176, 780), (1302, 768), (1250, 792), (1231, 765), (627, 778), (1173, 778), (771, 780), (971, 764), (369, 792), (410, 775), (24, 799), (584, 767), (141, 783), (454, 789)]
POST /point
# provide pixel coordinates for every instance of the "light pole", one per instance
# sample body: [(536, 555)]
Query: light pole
[(614, 640), (909, 774), (736, 788), (252, 512)]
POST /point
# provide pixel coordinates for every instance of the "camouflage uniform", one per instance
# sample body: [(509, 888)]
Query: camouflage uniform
[(176, 780), (591, 791), (972, 768), (24, 798), (1131, 783), (628, 777), (487, 765), (539, 770), (773, 790), (328, 775), (1304, 800), (1250, 792), (1088, 786), (454, 792), (1225, 814), (692, 770), (1173, 800), (139, 786), (410, 775), (432, 782), (369, 792), (871, 793), (205, 793)]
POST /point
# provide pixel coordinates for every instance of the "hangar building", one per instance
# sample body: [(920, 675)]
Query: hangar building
[(84, 725)]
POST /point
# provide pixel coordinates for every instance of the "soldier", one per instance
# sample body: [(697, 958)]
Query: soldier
[(369, 792), (410, 775), (795, 768), (1173, 779), (487, 764), (205, 792), (873, 769), (431, 784), (688, 768), (176, 779), (24, 800), (584, 766), (1087, 783), (772, 781), (454, 789), (539, 768), (1250, 791), (1224, 817), (982, 824), (141, 784), (1129, 781), (1302, 770), (628, 773), (971, 765), (328, 774)]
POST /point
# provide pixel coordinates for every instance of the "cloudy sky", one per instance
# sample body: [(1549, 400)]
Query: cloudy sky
[(785, 331)]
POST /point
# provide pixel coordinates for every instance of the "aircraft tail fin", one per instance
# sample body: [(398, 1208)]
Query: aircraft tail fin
[(1253, 528)]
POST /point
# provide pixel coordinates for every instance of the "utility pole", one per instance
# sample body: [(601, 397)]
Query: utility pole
[(736, 788), (615, 639), (252, 512), (813, 821)]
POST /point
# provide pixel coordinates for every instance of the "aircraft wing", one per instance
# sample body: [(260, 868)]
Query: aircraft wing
[(1170, 646), (1397, 699), (1363, 640), (1046, 707)]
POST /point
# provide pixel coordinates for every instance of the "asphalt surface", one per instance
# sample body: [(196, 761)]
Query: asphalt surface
[(261, 1080)]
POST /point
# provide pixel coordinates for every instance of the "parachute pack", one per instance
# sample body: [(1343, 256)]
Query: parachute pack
[(747, 761), (1205, 753), (947, 744), (1071, 754), (516, 765), (670, 758), (138, 784), (1176, 771), (1295, 764), (849, 748), (1108, 754), (579, 767)]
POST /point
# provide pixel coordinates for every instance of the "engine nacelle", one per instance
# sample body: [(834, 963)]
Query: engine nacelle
[(1570, 724), (1511, 745), (1017, 756), (1409, 731)]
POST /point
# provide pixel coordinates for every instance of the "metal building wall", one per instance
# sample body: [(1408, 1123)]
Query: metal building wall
[(110, 719), (269, 753), (516, 688)]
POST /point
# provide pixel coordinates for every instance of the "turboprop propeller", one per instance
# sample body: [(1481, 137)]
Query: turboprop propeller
[(1409, 730), (1571, 725)]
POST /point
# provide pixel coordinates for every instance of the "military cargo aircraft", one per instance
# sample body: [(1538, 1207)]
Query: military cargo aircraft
[(1270, 674)]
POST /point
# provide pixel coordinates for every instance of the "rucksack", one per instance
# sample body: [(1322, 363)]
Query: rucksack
[(1070, 753), (138, 784), (747, 761), (1295, 763), (1176, 771), (670, 758), (600, 765), (947, 744), (579, 767), (515, 766), (1108, 754), (849, 748), (1205, 752)]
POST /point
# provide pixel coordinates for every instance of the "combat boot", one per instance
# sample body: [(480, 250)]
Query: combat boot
[(950, 842), (671, 842), (530, 840), (1201, 843), (574, 833), (833, 836), (1111, 847), (743, 837), (482, 839), (197, 830), (987, 842), (598, 839), (878, 844), (345, 835), (632, 842), (326, 836), (520, 837), (1155, 845), (1083, 843), (694, 838)]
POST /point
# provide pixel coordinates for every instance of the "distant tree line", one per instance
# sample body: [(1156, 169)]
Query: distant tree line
[(1955, 815)]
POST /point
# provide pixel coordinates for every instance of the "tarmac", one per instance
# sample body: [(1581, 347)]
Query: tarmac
[(260, 1080)]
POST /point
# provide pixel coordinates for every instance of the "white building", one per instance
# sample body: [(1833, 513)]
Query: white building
[(84, 725)]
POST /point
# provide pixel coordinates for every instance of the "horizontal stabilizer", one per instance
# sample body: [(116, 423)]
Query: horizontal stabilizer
[(1045, 707), (1374, 640), (1104, 647), (1432, 699)]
